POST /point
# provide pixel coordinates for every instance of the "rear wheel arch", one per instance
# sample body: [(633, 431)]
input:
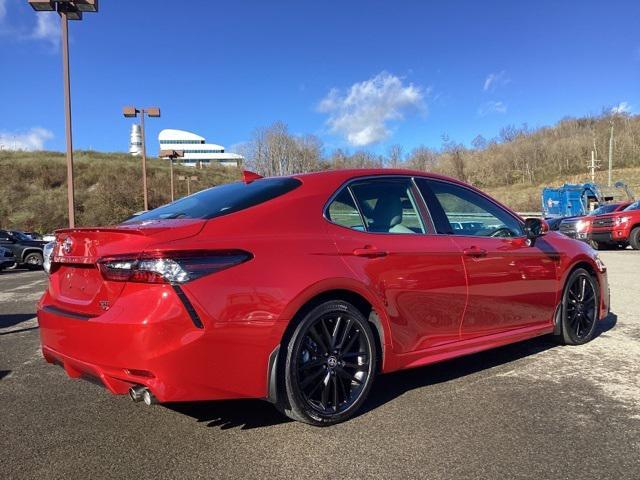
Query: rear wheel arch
[(27, 251), (363, 304), (357, 299)]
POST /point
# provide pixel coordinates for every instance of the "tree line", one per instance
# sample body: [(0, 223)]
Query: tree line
[(517, 155)]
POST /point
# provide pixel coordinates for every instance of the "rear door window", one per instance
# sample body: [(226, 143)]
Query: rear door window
[(222, 200), (388, 206), (343, 211)]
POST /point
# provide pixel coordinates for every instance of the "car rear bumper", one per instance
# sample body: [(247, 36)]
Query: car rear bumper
[(154, 344)]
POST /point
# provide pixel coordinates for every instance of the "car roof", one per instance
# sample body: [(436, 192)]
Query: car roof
[(343, 175)]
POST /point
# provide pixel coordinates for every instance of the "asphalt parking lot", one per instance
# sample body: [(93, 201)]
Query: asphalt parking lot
[(531, 410)]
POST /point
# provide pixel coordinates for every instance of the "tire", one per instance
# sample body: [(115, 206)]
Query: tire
[(634, 238), (33, 261), (580, 311), (602, 245), (325, 384)]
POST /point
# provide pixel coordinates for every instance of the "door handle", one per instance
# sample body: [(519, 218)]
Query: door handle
[(369, 252), (475, 252)]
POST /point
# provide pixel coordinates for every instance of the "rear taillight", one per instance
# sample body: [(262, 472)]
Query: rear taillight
[(173, 267)]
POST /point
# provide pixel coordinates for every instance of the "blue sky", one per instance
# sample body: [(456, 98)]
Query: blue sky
[(359, 74)]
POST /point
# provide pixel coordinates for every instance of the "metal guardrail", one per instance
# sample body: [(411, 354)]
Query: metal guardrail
[(530, 214)]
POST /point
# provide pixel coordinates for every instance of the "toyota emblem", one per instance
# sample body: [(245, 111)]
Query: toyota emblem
[(67, 245)]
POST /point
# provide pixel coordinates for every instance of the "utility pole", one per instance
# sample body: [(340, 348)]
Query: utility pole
[(133, 112), (592, 167), (610, 153), (171, 155)]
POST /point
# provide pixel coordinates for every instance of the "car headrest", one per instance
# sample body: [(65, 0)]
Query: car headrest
[(387, 212)]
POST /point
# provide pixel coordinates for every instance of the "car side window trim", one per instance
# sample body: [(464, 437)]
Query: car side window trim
[(355, 202), (421, 209)]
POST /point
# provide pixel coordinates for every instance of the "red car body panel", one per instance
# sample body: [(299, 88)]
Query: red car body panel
[(607, 228), (584, 234), (432, 302)]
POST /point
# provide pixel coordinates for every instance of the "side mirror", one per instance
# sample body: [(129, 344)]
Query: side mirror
[(534, 228)]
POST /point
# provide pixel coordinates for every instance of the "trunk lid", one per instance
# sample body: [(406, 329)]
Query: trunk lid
[(76, 285)]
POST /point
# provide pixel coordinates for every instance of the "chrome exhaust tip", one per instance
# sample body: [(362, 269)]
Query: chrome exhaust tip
[(136, 392), (148, 398)]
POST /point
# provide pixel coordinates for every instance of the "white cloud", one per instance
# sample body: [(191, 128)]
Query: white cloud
[(47, 28), (362, 113), (492, 107), (622, 107), (33, 139), (495, 80), (3, 10)]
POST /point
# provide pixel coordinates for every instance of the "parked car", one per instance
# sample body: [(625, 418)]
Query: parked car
[(7, 259), (617, 229), (33, 235), (302, 289), (28, 252), (579, 227)]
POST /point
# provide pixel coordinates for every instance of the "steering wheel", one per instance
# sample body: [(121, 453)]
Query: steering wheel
[(502, 232)]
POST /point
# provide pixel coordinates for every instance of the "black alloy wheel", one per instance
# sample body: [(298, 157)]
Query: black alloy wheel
[(580, 305), (331, 363)]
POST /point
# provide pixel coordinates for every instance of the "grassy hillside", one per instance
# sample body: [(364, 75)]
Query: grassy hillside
[(33, 193), (109, 186), (526, 197)]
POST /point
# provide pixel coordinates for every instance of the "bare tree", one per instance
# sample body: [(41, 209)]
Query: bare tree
[(394, 157), (422, 158)]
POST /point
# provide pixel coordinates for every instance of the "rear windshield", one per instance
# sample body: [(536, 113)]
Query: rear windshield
[(633, 206), (221, 200)]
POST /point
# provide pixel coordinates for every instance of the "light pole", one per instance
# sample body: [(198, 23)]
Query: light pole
[(188, 179), (171, 155), (68, 10), (132, 112)]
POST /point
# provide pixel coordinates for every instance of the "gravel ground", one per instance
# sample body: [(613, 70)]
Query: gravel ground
[(530, 410)]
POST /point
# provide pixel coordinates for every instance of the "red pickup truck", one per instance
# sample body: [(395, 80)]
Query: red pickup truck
[(617, 229)]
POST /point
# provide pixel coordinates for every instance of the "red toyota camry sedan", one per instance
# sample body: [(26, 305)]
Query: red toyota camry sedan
[(301, 289)]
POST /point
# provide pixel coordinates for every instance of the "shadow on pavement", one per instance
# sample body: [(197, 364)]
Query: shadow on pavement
[(11, 319), (248, 414), (388, 387), (606, 324), (16, 271)]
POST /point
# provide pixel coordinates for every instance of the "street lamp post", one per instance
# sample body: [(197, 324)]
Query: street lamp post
[(68, 10), (132, 112), (171, 155)]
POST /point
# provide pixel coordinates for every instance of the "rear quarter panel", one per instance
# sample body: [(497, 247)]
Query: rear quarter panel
[(247, 308)]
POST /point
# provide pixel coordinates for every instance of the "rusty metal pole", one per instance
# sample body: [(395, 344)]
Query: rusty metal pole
[(64, 23), (171, 168), (144, 161)]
